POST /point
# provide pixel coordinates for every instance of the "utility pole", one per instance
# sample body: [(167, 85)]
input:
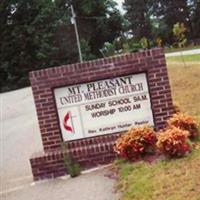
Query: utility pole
[(73, 21)]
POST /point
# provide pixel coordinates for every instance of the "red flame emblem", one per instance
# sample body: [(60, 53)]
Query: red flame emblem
[(65, 122)]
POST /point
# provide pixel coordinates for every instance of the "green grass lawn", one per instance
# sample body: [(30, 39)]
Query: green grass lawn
[(177, 179), (164, 180), (185, 58)]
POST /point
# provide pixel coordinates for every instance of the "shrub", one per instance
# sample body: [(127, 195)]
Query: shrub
[(136, 142), (173, 142), (159, 41), (184, 122), (179, 31), (144, 43), (72, 168)]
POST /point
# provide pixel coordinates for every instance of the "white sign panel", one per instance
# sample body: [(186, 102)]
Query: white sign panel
[(103, 107)]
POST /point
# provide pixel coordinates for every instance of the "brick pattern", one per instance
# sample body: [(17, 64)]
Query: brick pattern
[(44, 81), (92, 153)]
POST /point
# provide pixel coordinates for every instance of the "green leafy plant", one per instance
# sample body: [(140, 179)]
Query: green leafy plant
[(86, 50), (144, 43), (159, 41), (134, 46), (179, 31), (72, 167)]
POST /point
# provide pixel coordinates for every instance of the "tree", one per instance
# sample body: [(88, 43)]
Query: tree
[(27, 30), (195, 16), (98, 22), (170, 12), (38, 34), (138, 14)]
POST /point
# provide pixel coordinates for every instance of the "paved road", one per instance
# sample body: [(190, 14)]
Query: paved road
[(19, 138), (91, 186), (187, 52)]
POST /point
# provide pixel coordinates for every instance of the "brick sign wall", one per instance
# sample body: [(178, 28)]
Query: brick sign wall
[(92, 151)]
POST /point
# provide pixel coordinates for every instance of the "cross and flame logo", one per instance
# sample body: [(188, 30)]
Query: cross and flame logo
[(66, 120)]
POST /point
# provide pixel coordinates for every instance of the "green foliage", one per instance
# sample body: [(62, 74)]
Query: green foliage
[(38, 34), (153, 19), (109, 49), (121, 45), (86, 51), (179, 31), (134, 46), (158, 41), (195, 18), (144, 43), (72, 167), (98, 22), (138, 14), (27, 34), (169, 14)]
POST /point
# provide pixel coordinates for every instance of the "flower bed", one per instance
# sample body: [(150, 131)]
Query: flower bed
[(136, 142), (184, 122), (173, 142)]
